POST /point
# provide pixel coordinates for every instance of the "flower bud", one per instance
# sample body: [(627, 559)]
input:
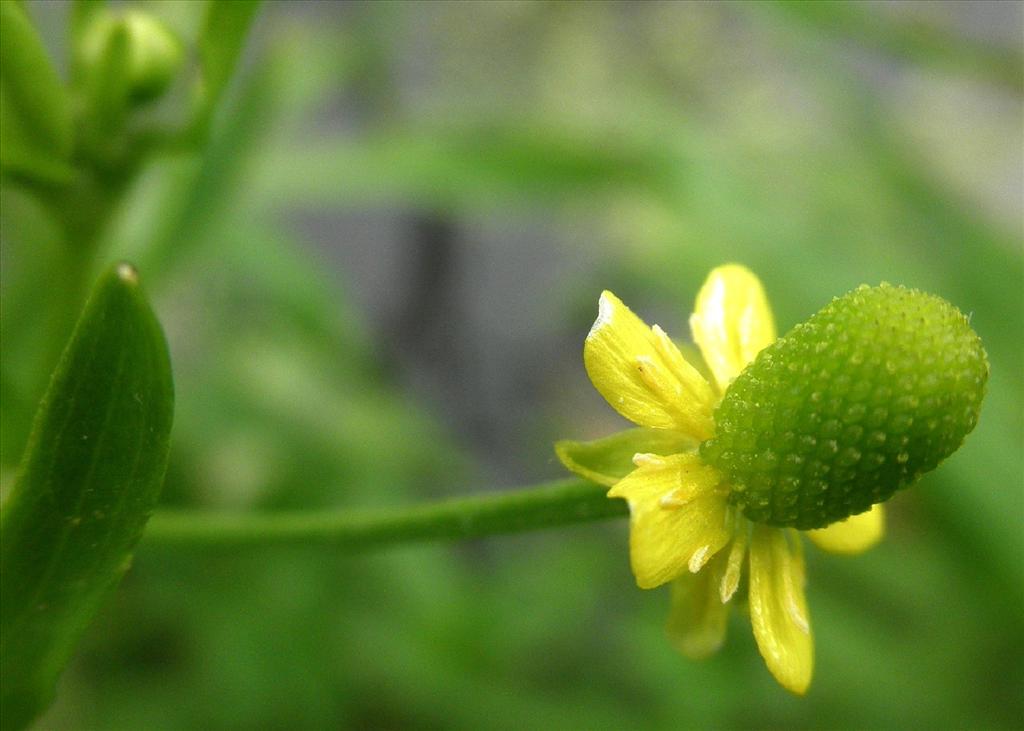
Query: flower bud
[(154, 53), (869, 394)]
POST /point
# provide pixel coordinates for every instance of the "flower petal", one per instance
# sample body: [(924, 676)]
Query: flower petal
[(855, 534), (732, 321), (698, 617), (608, 460), (778, 609), (678, 520), (642, 374)]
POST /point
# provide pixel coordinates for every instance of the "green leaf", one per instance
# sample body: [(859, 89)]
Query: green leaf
[(221, 42), (89, 480), (911, 38), (608, 460), (109, 84), (81, 17), (36, 134), (20, 151)]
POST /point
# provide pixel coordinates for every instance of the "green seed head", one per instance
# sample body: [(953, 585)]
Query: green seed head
[(862, 399)]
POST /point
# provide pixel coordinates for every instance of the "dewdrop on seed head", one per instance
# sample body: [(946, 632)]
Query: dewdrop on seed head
[(869, 394)]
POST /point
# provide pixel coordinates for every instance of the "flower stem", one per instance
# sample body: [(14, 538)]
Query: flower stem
[(550, 504)]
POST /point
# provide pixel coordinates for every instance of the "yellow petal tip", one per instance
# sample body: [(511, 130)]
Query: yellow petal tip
[(605, 310)]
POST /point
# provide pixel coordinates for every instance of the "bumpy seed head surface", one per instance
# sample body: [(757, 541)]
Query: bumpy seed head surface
[(873, 391)]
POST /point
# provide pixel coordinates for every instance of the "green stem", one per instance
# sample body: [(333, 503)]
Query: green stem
[(551, 504)]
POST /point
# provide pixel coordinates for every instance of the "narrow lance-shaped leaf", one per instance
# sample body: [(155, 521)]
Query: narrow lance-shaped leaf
[(36, 132), (108, 87), (82, 15), (89, 480), (221, 42)]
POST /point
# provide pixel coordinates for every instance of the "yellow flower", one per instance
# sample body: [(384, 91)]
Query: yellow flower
[(683, 528)]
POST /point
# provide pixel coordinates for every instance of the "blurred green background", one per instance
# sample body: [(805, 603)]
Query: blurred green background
[(376, 278)]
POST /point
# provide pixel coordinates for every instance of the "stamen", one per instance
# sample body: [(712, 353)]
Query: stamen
[(699, 558), (734, 565), (665, 389), (674, 499), (643, 459), (646, 366)]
